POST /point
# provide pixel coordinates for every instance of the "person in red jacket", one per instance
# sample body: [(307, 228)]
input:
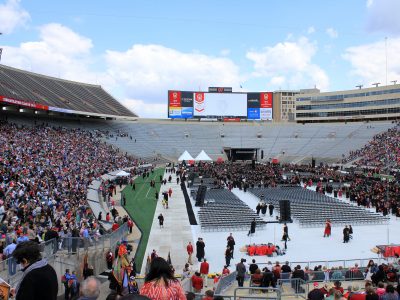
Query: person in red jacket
[(189, 249), (130, 225), (204, 268), (197, 282), (115, 226)]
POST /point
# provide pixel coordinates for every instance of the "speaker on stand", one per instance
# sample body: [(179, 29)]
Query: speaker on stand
[(285, 213)]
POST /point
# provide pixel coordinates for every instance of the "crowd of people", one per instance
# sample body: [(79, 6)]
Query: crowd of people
[(381, 152)]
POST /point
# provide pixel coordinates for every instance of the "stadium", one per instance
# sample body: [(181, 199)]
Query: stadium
[(235, 194)]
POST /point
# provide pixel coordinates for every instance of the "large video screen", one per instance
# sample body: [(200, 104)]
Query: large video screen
[(185, 104)]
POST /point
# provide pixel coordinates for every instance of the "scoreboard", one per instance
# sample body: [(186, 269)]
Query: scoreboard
[(252, 106)]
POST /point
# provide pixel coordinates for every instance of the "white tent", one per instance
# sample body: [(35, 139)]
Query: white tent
[(122, 173), (202, 156), (185, 156)]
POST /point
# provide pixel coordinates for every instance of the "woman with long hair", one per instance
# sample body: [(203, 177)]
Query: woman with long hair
[(160, 283)]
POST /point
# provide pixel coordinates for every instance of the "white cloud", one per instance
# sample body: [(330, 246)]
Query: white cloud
[(368, 61), (332, 33), (311, 30), (147, 110), (225, 52), (12, 15), (60, 52), (291, 60), (382, 16), (148, 71)]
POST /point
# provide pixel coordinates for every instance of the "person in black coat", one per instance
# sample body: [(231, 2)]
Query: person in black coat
[(268, 279), (258, 208), (200, 249), (39, 280), (271, 209), (252, 227)]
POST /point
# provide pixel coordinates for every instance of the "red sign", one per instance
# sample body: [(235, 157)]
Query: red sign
[(199, 102), (174, 98), (23, 103), (231, 119), (266, 100)]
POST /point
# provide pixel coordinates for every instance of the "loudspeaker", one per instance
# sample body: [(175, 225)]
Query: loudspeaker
[(253, 164), (262, 154), (284, 208), (201, 194), (313, 163)]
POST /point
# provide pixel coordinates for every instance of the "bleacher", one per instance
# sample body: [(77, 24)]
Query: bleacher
[(288, 142), (313, 209), (40, 89), (222, 210)]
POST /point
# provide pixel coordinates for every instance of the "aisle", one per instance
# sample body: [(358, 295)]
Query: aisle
[(176, 233)]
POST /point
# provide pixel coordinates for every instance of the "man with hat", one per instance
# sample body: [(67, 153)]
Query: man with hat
[(316, 293)]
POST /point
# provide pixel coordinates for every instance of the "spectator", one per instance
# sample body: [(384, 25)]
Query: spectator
[(241, 271), (39, 280), (160, 283), (197, 282), (391, 293), (253, 267), (316, 293), (90, 289)]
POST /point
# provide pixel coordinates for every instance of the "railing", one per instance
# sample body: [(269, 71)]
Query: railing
[(293, 287), (224, 283), (265, 293), (345, 263), (75, 246)]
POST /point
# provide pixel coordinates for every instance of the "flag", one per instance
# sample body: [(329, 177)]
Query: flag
[(169, 258)]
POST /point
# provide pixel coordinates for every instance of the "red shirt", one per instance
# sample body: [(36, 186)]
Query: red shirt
[(204, 267), (114, 227), (197, 282), (189, 249)]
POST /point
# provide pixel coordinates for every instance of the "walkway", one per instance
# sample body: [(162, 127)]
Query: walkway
[(176, 233)]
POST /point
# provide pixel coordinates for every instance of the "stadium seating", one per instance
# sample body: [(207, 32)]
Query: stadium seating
[(36, 88), (313, 209), (224, 211)]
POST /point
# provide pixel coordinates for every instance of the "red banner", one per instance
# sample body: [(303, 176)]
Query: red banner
[(23, 103), (231, 119), (174, 99), (266, 100)]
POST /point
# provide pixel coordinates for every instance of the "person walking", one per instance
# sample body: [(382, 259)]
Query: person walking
[(286, 231), (228, 256), (346, 234), (204, 269), (161, 221), (252, 227), (271, 209), (328, 226), (241, 271), (231, 244), (189, 249), (200, 253)]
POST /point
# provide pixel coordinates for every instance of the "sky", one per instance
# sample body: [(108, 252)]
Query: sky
[(138, 50)]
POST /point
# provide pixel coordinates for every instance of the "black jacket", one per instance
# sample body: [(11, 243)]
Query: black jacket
[(39, 284), (315, 294)]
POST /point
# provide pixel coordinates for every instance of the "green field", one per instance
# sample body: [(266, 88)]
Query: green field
[(141, 206)]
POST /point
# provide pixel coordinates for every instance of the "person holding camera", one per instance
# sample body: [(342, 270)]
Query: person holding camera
[(241, 272)]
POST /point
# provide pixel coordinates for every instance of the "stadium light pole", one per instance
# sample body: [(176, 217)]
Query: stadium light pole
[(386, 58)]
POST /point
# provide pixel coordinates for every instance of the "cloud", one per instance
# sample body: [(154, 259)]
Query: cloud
[(147, 110), (290, 62), (149, 71), (382, 16), (59, 52), (332, 33), (311, 30), (12, 15), (368, 62)]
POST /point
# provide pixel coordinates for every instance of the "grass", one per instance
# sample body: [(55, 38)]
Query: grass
[(141, 206)]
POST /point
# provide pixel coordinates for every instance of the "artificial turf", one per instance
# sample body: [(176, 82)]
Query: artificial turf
[(141, 206)]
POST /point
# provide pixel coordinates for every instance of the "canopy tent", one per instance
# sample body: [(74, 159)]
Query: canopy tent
[(122, 173), (185, 156), (203, 156)]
